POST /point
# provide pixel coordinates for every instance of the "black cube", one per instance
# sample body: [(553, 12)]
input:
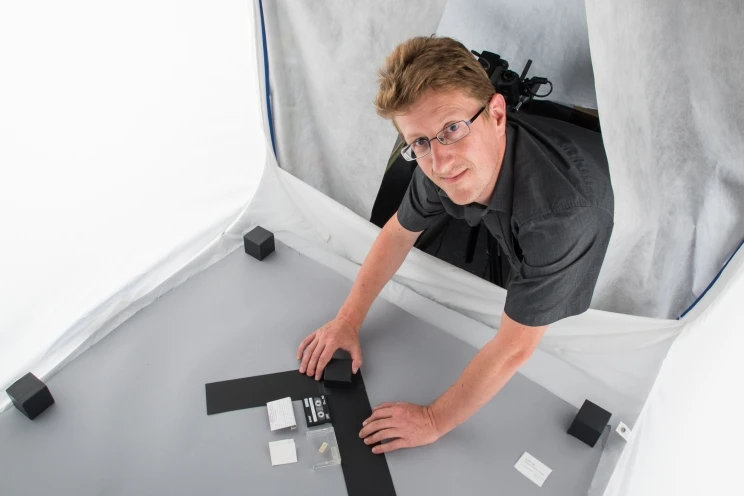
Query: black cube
[(259, 243), (338, 373), (30, 395), (589, 423)]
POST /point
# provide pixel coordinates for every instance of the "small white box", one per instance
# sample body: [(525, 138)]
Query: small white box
[(281, 414)]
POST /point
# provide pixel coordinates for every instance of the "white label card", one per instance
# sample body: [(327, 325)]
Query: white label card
[(533, 469), (283, 452), (281, 414)]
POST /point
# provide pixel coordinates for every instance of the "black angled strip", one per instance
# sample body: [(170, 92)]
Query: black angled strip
[(250, 392), (365, 473)]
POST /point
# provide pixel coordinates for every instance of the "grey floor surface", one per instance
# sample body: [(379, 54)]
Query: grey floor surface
[(130, 416)]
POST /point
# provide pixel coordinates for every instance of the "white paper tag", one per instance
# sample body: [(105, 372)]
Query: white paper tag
[(624, 431), (283, 452), (532, 468), (281, 414)]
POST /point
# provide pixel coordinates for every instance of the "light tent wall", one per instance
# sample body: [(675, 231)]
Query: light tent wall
[(135, 146)]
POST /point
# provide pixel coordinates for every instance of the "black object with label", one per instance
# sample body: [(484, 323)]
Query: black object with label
[(317, 410)]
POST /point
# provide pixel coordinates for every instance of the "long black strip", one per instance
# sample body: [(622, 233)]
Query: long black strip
[(365, 473), (250, 392)]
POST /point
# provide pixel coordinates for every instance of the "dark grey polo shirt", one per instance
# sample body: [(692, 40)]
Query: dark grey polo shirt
[(551, 213)]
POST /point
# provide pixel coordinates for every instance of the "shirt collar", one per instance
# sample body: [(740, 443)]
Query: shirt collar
[(503, 192)]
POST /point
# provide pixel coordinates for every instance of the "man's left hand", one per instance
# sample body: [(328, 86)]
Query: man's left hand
[(408, 426)]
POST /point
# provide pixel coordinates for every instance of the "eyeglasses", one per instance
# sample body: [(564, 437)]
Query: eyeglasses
[(452, 133)]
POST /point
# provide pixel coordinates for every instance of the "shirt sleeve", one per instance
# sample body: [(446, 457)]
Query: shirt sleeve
[(421, 205), (562, 253)]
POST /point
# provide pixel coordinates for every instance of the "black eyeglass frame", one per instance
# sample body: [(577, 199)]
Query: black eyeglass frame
[(406, 151)]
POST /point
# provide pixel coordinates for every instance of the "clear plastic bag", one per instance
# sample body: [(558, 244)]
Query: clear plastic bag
[(324, 447)]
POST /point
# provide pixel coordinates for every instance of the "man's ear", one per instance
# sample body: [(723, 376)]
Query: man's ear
[(497, 108)]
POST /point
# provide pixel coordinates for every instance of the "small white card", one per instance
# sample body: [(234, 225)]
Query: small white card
[(624, 431), (283, 452), (533, 469), (281, 414)]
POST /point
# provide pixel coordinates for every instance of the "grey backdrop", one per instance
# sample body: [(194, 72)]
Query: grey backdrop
[(130, 416)]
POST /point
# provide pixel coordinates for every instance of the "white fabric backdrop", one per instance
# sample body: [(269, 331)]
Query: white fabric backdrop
[(127, 135), (687, 441), (323, 60), (668, 77), (668, 94), (551, 33), (677, 136)]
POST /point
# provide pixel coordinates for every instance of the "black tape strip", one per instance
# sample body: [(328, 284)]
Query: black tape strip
[(250, 392), (365, 473)]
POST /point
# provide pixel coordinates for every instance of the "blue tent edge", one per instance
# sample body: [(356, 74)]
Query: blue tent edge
[(712, 282), (266, 76)]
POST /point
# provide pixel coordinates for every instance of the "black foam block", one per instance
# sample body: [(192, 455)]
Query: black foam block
[(589, 423), (30, 395), (337, 373), (259, 243)]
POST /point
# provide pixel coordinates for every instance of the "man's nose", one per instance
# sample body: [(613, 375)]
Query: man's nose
[(440, 157)]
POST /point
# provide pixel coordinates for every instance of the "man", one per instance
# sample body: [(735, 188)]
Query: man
[(541, 187)]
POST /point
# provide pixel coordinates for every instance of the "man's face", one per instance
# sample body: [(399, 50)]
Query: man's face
[(465, 170)]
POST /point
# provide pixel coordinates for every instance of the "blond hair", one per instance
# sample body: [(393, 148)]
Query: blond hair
[(425, 63)]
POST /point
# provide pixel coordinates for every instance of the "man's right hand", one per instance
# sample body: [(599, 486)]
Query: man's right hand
[(318, 348), (385, 257)]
